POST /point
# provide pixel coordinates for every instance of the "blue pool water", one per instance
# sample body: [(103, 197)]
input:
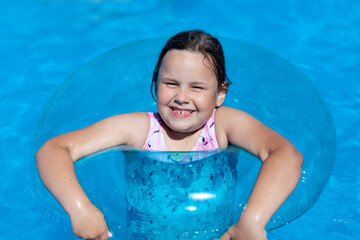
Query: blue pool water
[(43, 42)]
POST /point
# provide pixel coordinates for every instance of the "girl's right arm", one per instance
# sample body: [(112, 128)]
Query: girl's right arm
[(55, 165)]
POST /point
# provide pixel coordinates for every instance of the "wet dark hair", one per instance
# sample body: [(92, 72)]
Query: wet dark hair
[(201, 42)]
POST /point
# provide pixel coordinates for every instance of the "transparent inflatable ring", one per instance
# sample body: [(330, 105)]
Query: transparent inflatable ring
[(144, 197)]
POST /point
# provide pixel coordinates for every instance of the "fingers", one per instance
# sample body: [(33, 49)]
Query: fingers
[(236, 232), (106, 234), (103, 235)]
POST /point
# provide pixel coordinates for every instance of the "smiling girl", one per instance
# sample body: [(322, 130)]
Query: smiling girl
[(190, 85)]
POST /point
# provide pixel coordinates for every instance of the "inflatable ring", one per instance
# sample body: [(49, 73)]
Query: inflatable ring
[(144, 198)]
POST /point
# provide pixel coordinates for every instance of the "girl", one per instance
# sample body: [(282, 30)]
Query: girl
[(190, 84)]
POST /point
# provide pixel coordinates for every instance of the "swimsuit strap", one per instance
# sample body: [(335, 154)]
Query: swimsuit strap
[(207, 139), (155, 139)]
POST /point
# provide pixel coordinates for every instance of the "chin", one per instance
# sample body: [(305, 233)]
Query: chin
[(183, 129)]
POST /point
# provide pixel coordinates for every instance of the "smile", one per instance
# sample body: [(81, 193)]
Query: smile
[(182, 113)]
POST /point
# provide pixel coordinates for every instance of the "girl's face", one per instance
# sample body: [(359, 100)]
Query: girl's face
[(186, 91)]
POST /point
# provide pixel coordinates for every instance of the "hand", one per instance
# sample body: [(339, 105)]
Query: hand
[(240, 232), (89, 223)]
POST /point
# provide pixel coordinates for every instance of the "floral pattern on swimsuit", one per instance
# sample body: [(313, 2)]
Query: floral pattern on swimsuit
[(155, 139)]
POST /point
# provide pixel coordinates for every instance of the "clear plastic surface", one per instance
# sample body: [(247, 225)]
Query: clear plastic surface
[(150, 195)]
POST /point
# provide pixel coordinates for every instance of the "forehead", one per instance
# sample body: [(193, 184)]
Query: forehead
[(183, 62)]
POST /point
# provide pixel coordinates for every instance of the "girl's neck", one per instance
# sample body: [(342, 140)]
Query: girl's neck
[(177, 141)]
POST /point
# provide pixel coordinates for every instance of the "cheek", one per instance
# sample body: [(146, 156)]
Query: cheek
[(162, 95), (205, 100)]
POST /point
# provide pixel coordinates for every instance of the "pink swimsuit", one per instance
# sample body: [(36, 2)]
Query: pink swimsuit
[(155, 139)]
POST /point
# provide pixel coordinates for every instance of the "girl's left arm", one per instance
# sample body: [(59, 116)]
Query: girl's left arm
[(278, 176)]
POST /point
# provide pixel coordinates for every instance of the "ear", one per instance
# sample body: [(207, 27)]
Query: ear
[(220, 98), (221, 94)]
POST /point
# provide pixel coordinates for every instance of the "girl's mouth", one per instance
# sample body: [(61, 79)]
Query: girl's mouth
[(181, 113)]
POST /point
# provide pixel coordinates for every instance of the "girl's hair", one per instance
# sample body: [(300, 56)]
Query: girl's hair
[(196, 41)]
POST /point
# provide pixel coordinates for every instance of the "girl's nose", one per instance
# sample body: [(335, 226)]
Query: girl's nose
[(182, 96)]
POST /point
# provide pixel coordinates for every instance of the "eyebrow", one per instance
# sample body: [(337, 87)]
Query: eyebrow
[(167, 78), (191, 82)]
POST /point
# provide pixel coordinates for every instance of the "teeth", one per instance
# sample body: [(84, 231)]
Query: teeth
[(182, 111)]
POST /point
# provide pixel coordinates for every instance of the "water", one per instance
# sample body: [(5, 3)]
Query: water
[(43, 42)]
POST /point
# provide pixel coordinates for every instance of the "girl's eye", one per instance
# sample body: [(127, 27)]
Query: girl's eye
[(198, 88), (170, 84)]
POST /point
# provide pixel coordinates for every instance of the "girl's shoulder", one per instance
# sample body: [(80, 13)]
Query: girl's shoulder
[(136, 116), (232, 123), (222, 116), (140, 119), (135, 125), (229, 117), (223, 113)]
